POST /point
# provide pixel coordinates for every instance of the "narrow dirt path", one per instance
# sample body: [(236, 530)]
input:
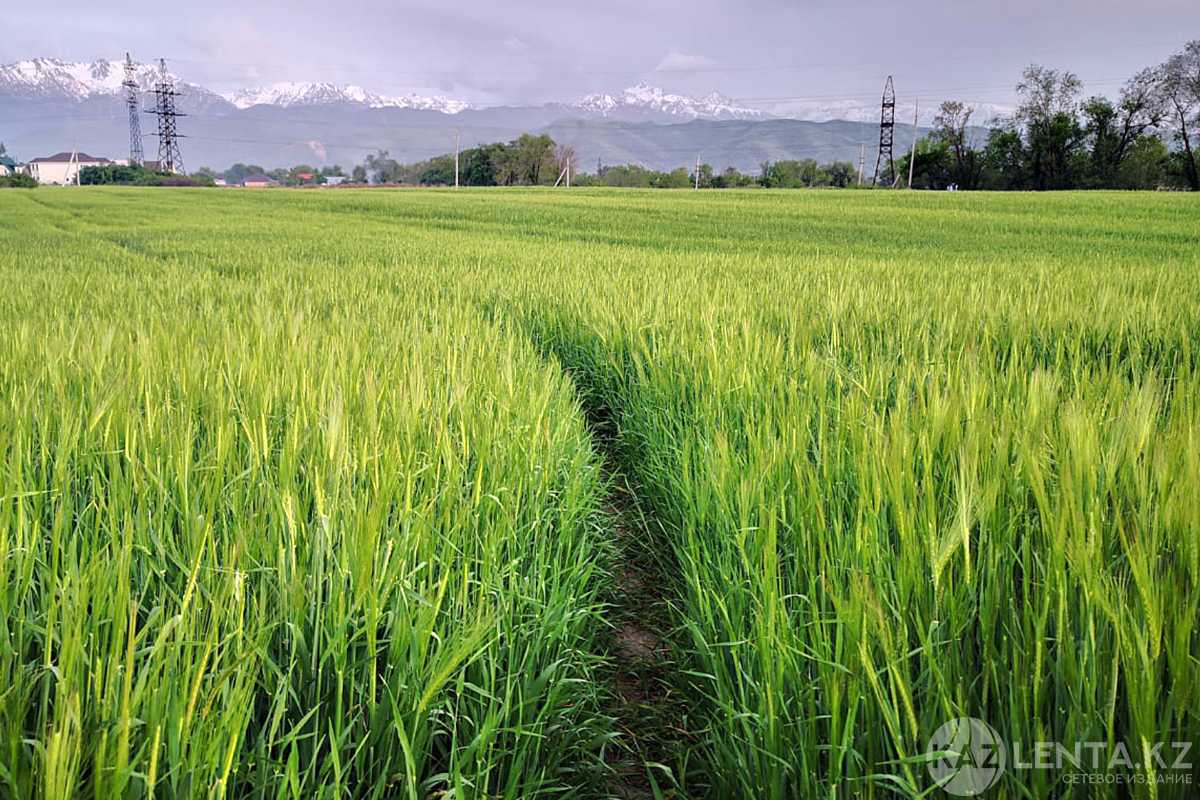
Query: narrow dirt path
[(651, 716), (649, 757)]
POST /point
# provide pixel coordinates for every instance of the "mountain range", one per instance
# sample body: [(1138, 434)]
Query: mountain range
[(48, 105)]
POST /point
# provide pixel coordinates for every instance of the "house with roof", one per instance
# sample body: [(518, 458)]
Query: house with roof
[(8, 166), (62, 168), (257, 182)]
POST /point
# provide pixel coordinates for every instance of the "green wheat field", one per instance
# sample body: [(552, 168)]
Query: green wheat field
[(307, 494)]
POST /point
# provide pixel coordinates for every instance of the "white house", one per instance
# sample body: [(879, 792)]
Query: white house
[(8, 166), (62, 168)]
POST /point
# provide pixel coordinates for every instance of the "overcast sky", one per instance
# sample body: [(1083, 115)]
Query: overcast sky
[(766, 53)]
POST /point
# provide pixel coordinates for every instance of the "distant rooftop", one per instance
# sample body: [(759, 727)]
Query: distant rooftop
[(62, 158)]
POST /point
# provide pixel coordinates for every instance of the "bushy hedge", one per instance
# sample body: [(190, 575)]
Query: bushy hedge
[(17, 180), (132, 175)]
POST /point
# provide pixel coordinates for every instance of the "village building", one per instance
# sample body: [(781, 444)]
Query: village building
[(62, 168)]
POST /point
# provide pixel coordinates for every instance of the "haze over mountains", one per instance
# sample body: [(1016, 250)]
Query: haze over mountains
[(48, 105)]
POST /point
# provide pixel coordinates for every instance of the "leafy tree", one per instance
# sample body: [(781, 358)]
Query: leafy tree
[(1004, 160), (1047, 116), (358, 174), (529, 161), (17, 180), (1178, 87), (1145, 165), (675, 179), (478, 165), (731, 178), (933, 167), (132, 175), (1113, 130), (806, 173), (841, 174), (438, 172), (950, 128), (205, 176), (629, 176), (239, 172)]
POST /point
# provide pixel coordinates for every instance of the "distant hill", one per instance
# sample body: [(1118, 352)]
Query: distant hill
[(743, 144), (47, 106)]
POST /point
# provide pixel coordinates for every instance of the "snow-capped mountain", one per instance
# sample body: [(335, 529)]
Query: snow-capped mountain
[(643, 99), (52, 78), (288, 94), (55, 79)]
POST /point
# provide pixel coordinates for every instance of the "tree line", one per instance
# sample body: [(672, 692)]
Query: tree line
[(529, 160), (537, 160), (1056, 139)]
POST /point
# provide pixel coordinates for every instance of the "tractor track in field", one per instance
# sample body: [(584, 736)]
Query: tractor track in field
[(651, 716), (649, 712)]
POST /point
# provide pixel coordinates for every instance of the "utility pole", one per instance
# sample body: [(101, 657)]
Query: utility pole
[(887, 130), (912, 159), (457, 138), (135, 123), (564, 157), (697, 172), (169, 157), (862, 161)]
